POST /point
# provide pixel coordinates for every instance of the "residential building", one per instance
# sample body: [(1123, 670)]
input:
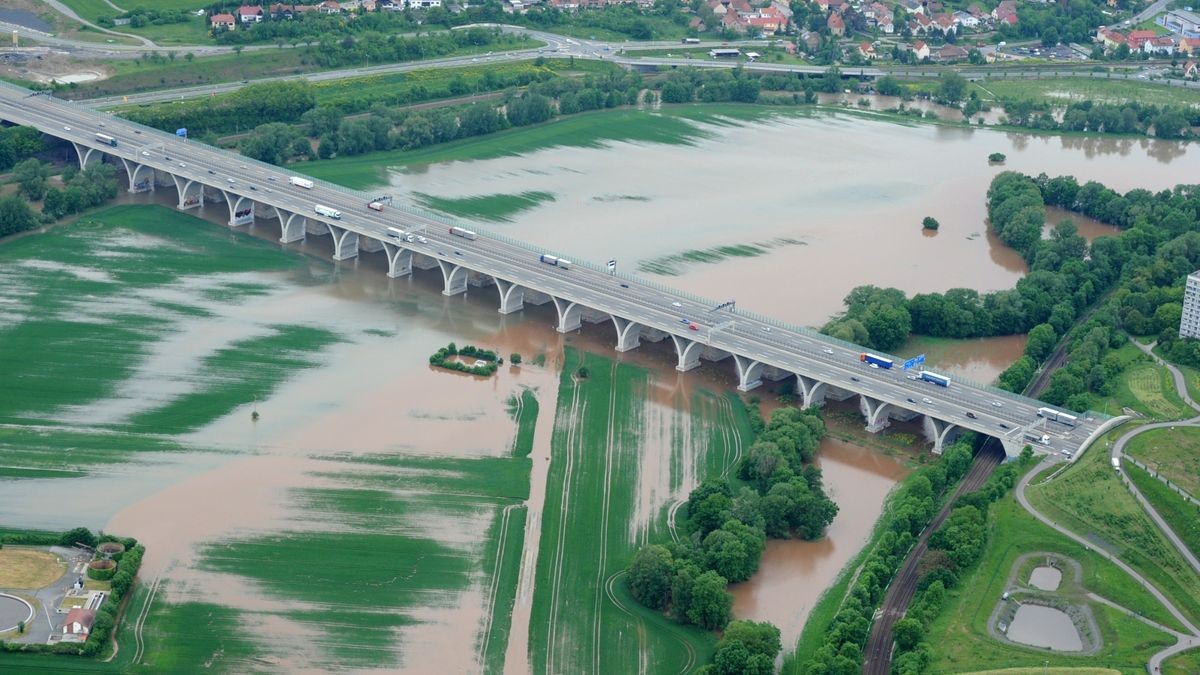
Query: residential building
[(1189, 69), (886, 25), (250, 13), (1138, 38), (78, 625), (920, 50), (943, 22), (1159, 45), (1188, 45), (1006, 13), (329, 7), (912, 6), (966, 20), (867, 51), (1189, 323), (223, 21), (951, 53), (837, 27)]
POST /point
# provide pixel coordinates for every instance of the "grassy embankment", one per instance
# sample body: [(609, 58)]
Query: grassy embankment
[(1143, 387), (583, 617), (1089, 499), (959, 636), (1174, 453), (1187, 663), (1180, 514), (89, 303), (1060, 91), (194, 31)]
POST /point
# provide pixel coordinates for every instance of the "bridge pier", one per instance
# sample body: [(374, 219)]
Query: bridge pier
[(570, 314), (189, 198), (876, 412), (239, 215), (749, 372), (292, 226), (512, 296), (86, 154), (399, 260), (454, 276), (629, 333), (940, 432), (688, 352), (812, 392), (345, 242), (134, 171)]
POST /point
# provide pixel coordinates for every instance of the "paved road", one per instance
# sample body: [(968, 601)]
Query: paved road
[(688, 319)]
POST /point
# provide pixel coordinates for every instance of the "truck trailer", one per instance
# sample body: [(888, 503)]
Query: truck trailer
[(301, 182), (872, 359), (328, 212), (939, 380), (464, 233)]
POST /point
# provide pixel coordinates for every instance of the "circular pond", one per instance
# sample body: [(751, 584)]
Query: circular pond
[(1048, 627), (1045, 578), (13, 610)]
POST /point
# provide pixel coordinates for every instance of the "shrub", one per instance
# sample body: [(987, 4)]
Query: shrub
[(930, 223), (996, 157)]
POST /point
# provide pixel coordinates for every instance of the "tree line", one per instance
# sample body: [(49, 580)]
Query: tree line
[(727, 529), (1130, 117)]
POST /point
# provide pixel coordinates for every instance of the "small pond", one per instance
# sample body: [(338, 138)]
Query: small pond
[(1045, 627), (1045, 578)]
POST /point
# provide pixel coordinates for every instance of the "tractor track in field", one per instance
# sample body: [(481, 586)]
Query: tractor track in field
[(505, 517), (140, 623), (560, 544), (605, 503)]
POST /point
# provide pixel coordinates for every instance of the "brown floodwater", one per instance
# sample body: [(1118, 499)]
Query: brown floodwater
[(977, 359), (794, 573), (1088, 228), (850, 191)]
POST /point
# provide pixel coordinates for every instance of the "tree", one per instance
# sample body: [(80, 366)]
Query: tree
[(79, 535), (734, 550), (930, 223), (711, 604), (952, 88), (889, 86), (515, 359), (908, 632), (1042, 339), (649, 576), (16, 216), (31, 175), (758, 638), (271, 143)]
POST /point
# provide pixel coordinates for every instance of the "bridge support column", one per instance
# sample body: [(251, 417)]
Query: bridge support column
[(345, 242), (241, 209), (1013, 446), (291, 226), (876, 412), (141, 177), (812, 392), (629, 334), (570, 314), (454, 276), (399, 260), (749, 372), (512, 296), (688, 351), (191, 193), (940, 432), (86, 154)]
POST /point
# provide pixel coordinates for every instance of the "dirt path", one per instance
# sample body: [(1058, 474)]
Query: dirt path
[(516, 655)]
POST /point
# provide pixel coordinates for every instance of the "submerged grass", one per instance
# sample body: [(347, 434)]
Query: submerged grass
[(674, 264), (498, 208)]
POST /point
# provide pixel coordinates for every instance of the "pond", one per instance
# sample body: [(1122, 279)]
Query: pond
[(1047, 627), (1046, 578)]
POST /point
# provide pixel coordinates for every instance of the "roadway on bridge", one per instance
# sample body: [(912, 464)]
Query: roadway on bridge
[(790, 349)]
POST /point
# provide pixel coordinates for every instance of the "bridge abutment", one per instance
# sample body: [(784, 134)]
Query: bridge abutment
[(400, 260), (292, 226), (454, 278), (629, 334), (241, 209), (749, 372), (345, 242), (570, 315), (688, 352), (876, 412), (940, 432), (512, 296), (141, 177), (191, 193)]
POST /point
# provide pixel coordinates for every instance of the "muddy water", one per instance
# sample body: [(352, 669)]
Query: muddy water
[(793, 574), (1088, 228), (1045, 578), (978, 359), (852, 191), (1045, 627)]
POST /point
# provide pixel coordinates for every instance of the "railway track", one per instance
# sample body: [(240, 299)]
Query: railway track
[(878, 653)]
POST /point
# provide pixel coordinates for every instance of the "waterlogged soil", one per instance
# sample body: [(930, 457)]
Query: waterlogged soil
[(794, 573), (851, 190)]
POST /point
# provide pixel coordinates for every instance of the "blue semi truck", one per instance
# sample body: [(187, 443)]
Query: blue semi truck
[(877, 361), (939, 380)]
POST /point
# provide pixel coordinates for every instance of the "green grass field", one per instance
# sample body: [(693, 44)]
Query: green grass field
[(583, 619), (1182, 516), (1143, 387), (683, 124), (1089, 499), (959, 636), (1175, 453), (1187, 663), (195, 31), (1067, 89)]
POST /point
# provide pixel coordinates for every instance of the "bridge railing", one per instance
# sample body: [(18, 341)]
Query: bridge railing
[(365, 197)]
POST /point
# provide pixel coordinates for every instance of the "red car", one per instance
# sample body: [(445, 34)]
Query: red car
[(693, 326)]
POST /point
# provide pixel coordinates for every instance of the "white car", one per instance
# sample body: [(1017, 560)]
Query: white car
[(827, 350), (998, 404), (67, 128), (676, 304), (926, 401), (145, 154)]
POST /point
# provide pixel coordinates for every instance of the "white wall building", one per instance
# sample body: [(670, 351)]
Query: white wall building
[(1189, 323)]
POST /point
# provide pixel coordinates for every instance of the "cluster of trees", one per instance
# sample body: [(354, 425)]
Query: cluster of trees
[(140, 17), (32, 178), (692, 84), (246, 108), (17, 144), (81, 190), (908, 512), (441, 359), (1107, 118), (727, 531), (746, 648), (954, 548), (16, 215), (1073, 21), (128, 564)]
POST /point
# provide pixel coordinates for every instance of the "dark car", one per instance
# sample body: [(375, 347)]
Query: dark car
[(624, 285), (1003, 425), (854, 379), (911, 400), (971, 414), (212, 172)]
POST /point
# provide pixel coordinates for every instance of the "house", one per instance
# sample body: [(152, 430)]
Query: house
[(1111, 39), (867, 51), (1138, 38), (733, 22), (943, 22), (767, 21), (222, 22), (718, 8), (1190, 69), (250, 13), (837, 27), (426, 4), (823, 5), (1006, 13), (1187, 45), (951, 53), (810, 41), (920, 24), (966, 20), (886, 25), (790, 48), (1159, 45), (696, 23), (332, 7), (912, 6), (920, 50), (783, 7), (79, 623)]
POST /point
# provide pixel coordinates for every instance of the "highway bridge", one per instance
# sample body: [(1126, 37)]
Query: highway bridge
[(700, 330)]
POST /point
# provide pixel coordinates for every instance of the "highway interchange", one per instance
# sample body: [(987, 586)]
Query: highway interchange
[(790, 349)]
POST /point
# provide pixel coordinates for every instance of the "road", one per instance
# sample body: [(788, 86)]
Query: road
[(762, 341)]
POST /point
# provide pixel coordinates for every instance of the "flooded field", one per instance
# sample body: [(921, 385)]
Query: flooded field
[(757, 183), (977, 359), (794, 573)]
